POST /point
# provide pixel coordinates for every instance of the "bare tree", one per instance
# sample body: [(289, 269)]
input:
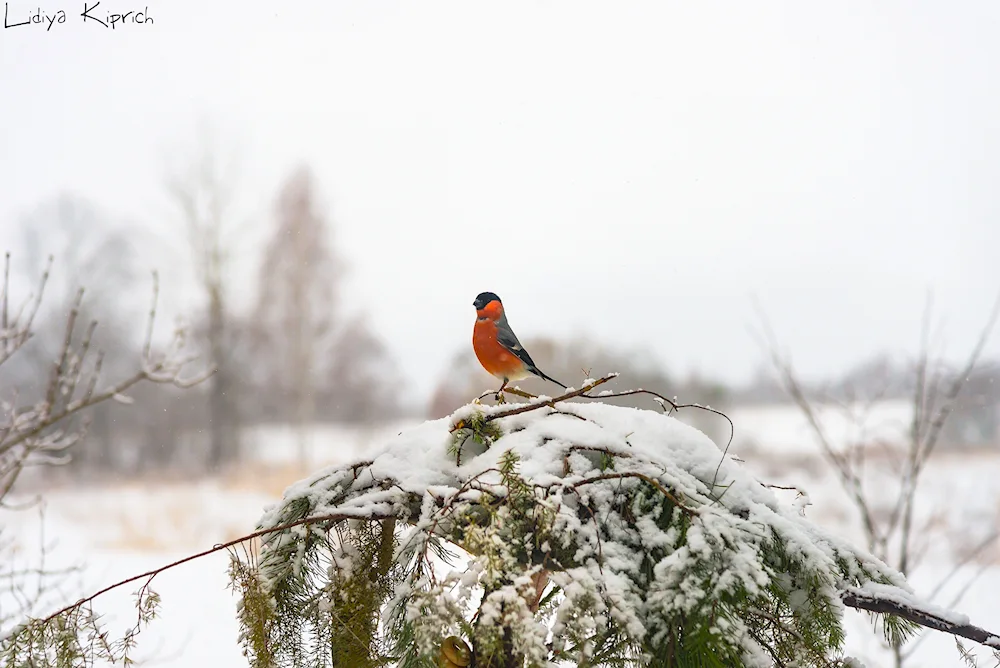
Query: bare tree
[(204, 192), (936, 392), (362, 385), (297, 299)]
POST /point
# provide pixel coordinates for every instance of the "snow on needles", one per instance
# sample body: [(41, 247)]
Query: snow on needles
[(633, 568)]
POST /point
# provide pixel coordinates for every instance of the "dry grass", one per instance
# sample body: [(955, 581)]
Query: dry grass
[(140, 536), (179, 521), (269, 479), (160, 514)]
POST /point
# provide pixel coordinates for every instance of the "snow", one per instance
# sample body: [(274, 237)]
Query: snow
[(563, 448), (784, 428), (875, 590), (122, 530)]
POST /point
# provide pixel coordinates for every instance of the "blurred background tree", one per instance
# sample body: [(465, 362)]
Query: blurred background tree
[(203, 190), (311, 361), (296, 308)]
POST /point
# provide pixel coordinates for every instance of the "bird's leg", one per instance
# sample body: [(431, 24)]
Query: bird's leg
[(500, 398)]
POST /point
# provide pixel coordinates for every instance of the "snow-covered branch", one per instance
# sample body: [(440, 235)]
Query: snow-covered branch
[(599, 491), (874, 599), (536, 402)]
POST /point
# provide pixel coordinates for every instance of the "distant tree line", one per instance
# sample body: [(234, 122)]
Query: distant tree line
[(292, 357)]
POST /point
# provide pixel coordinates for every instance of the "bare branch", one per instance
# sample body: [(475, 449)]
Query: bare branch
[(849, 479), (959, 380), (149, 575), (59, 368), (524, 408), (37, 434), (4, 290), (933, 401), (920, 390), (17, 330), (925, 436), (148, 341)]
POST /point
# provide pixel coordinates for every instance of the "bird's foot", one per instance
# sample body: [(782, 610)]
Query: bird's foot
[(500, 398)]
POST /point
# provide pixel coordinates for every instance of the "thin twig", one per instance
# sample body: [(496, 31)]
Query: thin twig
[(524, 408), (5, 290), (333, 517), (148, 340)]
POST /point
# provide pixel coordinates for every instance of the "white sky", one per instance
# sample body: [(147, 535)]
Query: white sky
[(633, 172)]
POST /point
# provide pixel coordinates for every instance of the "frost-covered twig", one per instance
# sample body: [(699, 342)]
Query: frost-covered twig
[(17, 329), (38, 433)]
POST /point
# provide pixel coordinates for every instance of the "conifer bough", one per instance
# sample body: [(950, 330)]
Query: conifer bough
[(555, 532)]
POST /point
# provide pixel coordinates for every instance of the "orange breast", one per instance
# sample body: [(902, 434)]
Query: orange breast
[(493, 356)]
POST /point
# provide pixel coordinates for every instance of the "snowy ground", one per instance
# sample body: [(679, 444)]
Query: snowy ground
[(131, 528), (959, 506)]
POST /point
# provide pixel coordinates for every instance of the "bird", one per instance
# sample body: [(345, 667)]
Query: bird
[(497, 347)]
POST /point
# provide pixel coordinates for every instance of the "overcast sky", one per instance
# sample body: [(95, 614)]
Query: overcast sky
[(633, 172)]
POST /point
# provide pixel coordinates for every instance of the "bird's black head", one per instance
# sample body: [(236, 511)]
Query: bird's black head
[(485, 298)]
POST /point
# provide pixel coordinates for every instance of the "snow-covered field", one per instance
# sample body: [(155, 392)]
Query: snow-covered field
[(127, 529)]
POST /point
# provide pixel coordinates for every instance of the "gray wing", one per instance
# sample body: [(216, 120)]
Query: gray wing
[(507, 339)]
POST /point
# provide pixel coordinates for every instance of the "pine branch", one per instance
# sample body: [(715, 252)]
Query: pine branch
[(645, 478), (865, 600)]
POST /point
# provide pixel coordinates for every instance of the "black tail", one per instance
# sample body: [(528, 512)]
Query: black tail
[(538, 372)]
